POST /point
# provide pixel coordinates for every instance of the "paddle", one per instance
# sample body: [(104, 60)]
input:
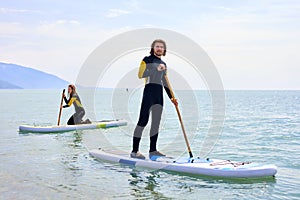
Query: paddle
[(180, 119), (60, 107)]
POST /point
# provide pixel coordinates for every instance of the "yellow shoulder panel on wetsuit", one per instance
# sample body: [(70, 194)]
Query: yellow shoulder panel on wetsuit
[(142, 69), (74, 99), (71, 101)]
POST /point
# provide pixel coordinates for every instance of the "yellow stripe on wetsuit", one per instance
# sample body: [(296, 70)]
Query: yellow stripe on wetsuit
[(74, 99), (142, 70)]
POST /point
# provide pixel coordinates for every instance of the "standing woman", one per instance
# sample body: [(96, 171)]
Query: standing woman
[(74, 99)]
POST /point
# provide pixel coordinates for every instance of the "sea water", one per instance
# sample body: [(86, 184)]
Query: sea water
[(259, 126)]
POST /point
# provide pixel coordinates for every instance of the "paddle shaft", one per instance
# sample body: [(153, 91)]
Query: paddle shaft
[(180, 119), (60, 107)]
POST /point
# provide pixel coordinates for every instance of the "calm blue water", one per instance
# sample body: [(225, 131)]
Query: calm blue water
[(260, 126)]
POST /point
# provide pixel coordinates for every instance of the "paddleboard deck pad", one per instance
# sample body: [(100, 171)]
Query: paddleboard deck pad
[(65, 128), (198, 166)]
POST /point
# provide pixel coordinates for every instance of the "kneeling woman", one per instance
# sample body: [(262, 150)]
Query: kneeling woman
[(74, 99)]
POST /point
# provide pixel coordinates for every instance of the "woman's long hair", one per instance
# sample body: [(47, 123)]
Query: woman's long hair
[(73, 90)]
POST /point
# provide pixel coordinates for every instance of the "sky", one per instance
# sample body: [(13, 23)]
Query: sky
[(254, 44)]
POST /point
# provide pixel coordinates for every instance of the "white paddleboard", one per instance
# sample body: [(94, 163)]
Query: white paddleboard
[(65, 128), (206, 167)]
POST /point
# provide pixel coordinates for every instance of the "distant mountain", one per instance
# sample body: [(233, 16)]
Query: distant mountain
[(7, 85), (15, 77)]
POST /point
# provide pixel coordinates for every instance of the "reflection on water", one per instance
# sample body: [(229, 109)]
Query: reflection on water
[(145, 186), (145, 183), (71, 159)]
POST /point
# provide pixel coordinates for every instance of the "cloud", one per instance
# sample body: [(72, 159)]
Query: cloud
[(12, 28), (12, 10), (46, 26), (225, 8), (116, 13), (63, 21), (133, 4)]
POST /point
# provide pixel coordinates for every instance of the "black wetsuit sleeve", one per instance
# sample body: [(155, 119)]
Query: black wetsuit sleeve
[(168, 91), (67, 102)]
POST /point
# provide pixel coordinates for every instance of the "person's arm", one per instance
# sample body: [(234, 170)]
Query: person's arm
[(145, 69), (68, 102), (168, 90)]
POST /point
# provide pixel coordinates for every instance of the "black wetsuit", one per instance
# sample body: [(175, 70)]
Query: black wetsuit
[(76, 118), (152, 100)]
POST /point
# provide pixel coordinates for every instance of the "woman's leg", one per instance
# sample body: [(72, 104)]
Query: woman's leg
[(71, 120), (78, 117)]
